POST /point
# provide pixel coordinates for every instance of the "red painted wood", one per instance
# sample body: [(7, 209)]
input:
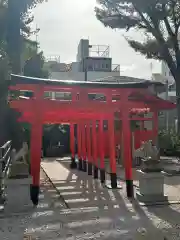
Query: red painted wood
[(127, 146), (38, 111), (72, 140), (94, 142), (89, 142), (112, 144), (101, 144)]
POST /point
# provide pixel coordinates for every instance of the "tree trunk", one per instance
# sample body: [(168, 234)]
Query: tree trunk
[(178, 102)]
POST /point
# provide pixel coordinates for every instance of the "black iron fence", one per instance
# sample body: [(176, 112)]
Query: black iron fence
[(5, 163)]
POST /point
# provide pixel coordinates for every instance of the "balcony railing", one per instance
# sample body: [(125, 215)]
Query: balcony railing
[(53, 58), (115, 68)]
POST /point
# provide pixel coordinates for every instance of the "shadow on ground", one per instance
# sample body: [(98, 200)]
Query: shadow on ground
[(96, 212)]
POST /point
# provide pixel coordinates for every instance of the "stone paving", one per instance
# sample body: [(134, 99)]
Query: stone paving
[(107, 214), (93, 212)]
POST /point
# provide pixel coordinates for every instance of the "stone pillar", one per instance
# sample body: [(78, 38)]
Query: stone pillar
[(151, 181), (151, 187)]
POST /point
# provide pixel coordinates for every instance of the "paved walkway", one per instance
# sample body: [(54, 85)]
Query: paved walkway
[(98, 213), (20, 219), (93, 212)]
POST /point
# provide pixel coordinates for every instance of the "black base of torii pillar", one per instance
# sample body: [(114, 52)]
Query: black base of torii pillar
[(127, 153), (34, 194), (73, 164)]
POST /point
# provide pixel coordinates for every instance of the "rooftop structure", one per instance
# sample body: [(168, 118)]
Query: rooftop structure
[(92, 62)]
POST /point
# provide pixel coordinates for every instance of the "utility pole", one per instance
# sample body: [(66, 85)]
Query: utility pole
[(14, 41)]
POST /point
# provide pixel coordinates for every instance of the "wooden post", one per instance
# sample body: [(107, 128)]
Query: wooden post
[(113, 173), (73, 164), (155, 127), (94, 141), (79, 147), (35, 153), (84, 148), (101, 146), (127, 152), (35, 148), (89, 157)]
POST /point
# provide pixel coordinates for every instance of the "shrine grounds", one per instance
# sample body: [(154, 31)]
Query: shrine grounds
[(75, 206)]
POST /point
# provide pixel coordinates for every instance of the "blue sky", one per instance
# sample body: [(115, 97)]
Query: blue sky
[(63, 23)]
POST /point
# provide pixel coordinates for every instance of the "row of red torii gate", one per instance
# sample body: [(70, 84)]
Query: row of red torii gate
[(86, 105)]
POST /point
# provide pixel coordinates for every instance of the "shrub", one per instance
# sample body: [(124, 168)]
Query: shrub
[(169, 143)]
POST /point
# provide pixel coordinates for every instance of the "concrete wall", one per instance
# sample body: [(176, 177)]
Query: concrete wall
[(171, 115), (166, 73)]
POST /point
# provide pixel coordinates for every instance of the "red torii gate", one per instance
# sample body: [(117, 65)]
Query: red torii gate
[(82, 109)]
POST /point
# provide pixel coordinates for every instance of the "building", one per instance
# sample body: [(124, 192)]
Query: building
[(167, 119), (166, 73), (92, 62)]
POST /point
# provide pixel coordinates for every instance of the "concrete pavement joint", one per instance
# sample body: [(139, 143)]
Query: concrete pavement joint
[(54, 186)]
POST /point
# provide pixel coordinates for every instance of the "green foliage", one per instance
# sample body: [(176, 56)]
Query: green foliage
[(169, 141), (14, 15), (25, 9), (159, 20), (34, 67)]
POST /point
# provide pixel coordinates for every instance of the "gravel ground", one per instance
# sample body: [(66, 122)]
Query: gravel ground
[(94, 213)]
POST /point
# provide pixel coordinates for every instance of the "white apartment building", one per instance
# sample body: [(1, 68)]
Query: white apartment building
[(166, 73), (92, 63), (167, 119)]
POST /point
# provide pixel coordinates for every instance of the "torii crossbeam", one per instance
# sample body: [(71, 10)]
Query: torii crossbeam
[(85, 104)]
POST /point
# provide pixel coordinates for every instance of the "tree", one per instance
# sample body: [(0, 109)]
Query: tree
[(15, 20), (34, 66), (159, 20), (19, 19)]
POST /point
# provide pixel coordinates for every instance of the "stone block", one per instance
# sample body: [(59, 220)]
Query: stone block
[(151, 187), (19, 170)]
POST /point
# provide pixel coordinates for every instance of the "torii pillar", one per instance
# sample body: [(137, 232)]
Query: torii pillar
[(127, 152), (79, 137), (73, 164), (36, 146)]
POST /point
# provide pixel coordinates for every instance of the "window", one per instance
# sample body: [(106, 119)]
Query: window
[(90, 67), (96, 66), (47, 95)]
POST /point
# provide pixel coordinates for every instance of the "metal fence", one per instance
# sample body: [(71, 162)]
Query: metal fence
[(5, 163)]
